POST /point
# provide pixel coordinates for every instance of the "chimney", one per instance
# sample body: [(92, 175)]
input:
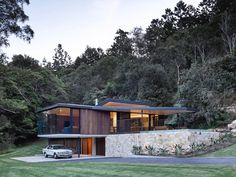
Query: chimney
[(96, 102)]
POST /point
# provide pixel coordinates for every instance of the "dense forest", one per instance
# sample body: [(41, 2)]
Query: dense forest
[(185, 58)]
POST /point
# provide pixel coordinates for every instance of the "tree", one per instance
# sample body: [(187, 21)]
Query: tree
[(11, 17), (186, 15), (138, 42), (228, 34), (24, 62), (122, 46), (156, 89), (3, 58), (89, 57), (61, 59), (22, 91), (6, 138), (209, 88)]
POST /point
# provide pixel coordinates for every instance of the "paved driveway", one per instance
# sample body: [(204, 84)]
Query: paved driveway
[(142, 160), (41, 158)]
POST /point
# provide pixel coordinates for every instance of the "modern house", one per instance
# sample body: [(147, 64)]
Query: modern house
[(85, 128)]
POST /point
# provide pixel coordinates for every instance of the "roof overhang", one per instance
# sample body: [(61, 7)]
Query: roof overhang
[(65, 105), (147, 110), (144, 110)]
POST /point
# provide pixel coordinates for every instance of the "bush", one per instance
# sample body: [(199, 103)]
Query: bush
[(178, 150), (151, 150), (163, 151), (137, 150)]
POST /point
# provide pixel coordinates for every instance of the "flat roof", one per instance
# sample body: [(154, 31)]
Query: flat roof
[(65, 105), (144, 110), (147, 110)]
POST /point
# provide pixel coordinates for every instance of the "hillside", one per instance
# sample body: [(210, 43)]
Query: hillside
[(187, 58)]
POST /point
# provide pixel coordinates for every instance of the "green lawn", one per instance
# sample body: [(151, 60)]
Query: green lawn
[(10, 168), (226, 152)]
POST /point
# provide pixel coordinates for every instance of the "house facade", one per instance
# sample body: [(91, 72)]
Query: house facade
[(85, 128)]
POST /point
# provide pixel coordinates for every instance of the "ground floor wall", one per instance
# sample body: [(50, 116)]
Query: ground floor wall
[(121, 145)]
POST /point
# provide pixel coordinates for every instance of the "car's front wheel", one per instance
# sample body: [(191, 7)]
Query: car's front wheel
[(55, 156), (45, 155)]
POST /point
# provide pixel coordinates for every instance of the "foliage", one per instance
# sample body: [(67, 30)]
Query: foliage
[(6, 139), (103, 80), (150, 149), (209, 88), (61, 59), (137, 150), (24, 62), (178, 149), (22, 92), (185, 58), (122, 46), (89, 57), (11, 17), (163, 151)]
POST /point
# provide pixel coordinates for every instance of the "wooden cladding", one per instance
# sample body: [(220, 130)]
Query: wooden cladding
[(94, 122), (67, 142)]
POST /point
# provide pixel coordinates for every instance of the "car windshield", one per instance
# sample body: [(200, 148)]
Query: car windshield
[(59, 147)]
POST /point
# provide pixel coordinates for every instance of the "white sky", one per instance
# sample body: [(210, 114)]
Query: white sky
[(78, 23)]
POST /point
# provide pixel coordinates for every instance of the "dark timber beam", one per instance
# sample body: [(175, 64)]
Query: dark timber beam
[(79, 147)]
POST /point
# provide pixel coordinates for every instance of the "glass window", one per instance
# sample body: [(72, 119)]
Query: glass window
[(139, 121), (55, 121), (113, 116)]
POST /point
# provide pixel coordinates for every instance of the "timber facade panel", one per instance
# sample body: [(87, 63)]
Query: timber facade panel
[(94, 122)]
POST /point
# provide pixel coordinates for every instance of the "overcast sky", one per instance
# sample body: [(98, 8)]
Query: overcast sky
[(78, 23)]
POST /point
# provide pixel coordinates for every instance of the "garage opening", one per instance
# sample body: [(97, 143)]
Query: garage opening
[(100, 146)]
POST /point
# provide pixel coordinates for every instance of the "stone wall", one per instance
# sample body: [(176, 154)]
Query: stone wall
[(121, 145)]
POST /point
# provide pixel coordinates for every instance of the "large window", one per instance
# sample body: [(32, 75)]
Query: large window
[(113, 116), (59, 120), (125, 122), (139, 122)]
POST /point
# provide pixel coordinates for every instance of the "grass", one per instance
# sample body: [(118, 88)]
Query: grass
[(226, 152), (10, 167)]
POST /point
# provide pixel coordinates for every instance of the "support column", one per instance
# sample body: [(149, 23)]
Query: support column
[(79, 147), (71, 120), (149, 122), (93, 146)]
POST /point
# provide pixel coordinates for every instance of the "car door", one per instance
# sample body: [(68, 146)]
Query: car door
[(49, 150)]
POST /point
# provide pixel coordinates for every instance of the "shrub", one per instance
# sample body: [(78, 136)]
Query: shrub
[(150, 149), (137, 150), (178, 150), (227, 137), (163, 151)]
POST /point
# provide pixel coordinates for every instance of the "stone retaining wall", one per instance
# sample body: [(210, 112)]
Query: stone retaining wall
[(121, 145)]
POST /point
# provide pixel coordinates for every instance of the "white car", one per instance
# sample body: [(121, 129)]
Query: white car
[(56, 151)]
